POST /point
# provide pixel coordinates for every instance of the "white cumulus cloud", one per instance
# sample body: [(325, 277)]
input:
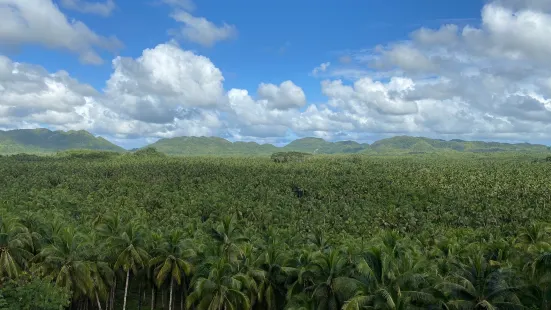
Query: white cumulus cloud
[(285, 96), (162, 84), (202, 31), (41, 22), (489, 81), (31, 95)]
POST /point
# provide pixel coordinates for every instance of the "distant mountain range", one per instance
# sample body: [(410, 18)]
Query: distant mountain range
[(425, 145), (43, 140), (47, 141), (394, 145)]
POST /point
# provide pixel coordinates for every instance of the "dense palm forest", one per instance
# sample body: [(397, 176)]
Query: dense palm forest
[(145, 231)]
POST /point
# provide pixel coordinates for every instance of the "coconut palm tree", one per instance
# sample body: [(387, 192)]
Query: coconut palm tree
[(332, 281), (36, 228), (65, 259), (15, 246), (480, 284), (387, 280), (268, 273), (537, 282), (218, 286), (300, 273), (131, 253), (109, 227), (102, 278), (172, 261), (534, 235), (228, 235)]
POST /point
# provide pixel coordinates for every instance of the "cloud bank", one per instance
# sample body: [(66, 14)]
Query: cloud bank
[(491, 80)]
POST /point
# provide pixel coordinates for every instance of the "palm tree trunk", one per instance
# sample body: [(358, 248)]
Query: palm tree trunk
[(170, 298), (97, 300), (140, 297), (126, 289), (182, 297), (184, 293), (113, 290), (153, 298)]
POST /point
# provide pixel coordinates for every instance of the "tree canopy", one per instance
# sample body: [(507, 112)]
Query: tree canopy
[(367, 232)]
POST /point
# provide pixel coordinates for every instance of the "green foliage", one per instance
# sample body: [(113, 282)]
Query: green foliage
[(454, 231), (406, 144), (30, 292), (320, 146), (210, 146), (283, 157), (148, 151)]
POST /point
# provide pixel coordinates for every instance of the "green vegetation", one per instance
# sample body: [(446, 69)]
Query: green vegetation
[(404, 144), (320, 146), (283, 157), (210, 146), (127, 231), (148, 151), (46, 141), (396, 145), (32, 292)]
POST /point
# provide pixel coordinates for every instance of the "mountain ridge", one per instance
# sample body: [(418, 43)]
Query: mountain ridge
[(42, 140), (397, 144)]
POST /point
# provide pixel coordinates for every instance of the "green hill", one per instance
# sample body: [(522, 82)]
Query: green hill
[(394, 145), (320, 146), (219, 146), (43, 140), (37, 141), (406, 144), (210, 146)]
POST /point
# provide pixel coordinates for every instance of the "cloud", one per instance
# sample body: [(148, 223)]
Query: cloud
[(285, 96), (367, 97), (491, 81), (31, 95), (517, 35), (98, 8), (252, 117), (41, 22), (321, 68), (187, 5), (272, 114), (200, 30), (407, 58), (163, 84), (543, 5), (102, 120), (166, 92)]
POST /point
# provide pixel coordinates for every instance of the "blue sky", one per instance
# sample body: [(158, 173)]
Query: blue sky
[(277, 40), (247, 69)]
